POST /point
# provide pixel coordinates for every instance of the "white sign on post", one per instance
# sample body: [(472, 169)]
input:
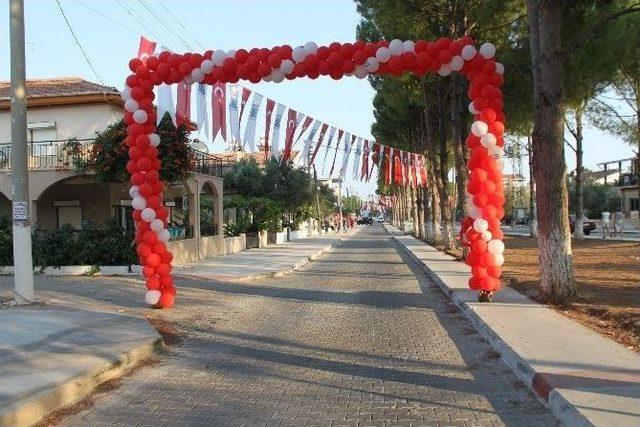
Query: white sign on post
[(20, 213)]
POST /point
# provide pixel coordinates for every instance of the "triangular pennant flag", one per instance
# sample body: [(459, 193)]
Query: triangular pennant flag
[(219, 111), (323, 130), (356, 159), (183, 107), (305, 125), (146, 49), (201, 110), (267, 126), (234, 122), (335, 155), (292, 125), (275, 145), (250, 129), (245, 97), (332, 133), (306, 152)]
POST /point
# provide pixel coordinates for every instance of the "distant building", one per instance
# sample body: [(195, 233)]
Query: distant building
[(626, 183)]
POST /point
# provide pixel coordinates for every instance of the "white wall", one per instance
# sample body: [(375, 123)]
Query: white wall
[(74, 121)]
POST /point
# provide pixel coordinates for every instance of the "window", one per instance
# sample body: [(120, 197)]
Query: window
[(71, 215), (41, 135), (634, 204)]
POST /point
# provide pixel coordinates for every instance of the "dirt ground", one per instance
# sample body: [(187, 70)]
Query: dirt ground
[(608, 279)]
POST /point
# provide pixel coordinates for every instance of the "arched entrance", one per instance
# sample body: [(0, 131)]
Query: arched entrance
[(480, 231)]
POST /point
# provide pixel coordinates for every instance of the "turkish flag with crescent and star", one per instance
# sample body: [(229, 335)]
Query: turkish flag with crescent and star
[(219, 111), (292, 125), (146, 49), (267, 127), (246, 93)]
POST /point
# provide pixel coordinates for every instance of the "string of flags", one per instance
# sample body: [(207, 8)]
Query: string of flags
[(230, 103)]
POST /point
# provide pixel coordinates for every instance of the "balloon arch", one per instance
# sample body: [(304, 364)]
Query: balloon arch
[(480, 231)]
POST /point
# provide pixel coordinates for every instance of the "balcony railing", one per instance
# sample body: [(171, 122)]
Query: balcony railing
[(76, 154), (59, 154), (626, 180)]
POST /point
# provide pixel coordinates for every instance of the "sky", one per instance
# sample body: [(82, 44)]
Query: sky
[(109, 32)]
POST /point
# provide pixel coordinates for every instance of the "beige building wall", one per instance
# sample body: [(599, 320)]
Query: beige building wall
[(73, 121)]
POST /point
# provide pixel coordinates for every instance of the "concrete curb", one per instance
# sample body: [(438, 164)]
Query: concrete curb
[(31, 409), (541, 383)]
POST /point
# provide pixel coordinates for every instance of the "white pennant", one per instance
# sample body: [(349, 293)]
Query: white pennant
[(201, 109), (275, 140), (165, 100), (250, 129), (233, 114), (306, 152), (345, 154), (332, 133), (356, 159)]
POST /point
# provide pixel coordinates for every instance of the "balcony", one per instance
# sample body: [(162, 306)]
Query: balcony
[(62, 155), (627, 180)]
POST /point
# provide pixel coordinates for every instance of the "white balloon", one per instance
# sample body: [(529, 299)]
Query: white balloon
[(456, 63), (148, 214), (154, 139), (197, 75), (138, 203), (134, 191), (472, 109), (218, 57), (310, 47), (268, 77), (444, 70), (488, 140), (131, 105), (499, 259), (480, 225), (140, 116), (496, 151), (487, 236), (157, 225), (360, 72), (207, 65), (383, 54), (474, 212), (277, 76), (495, 247), (231, 52), (409, 46), (371, 65), (499, 68), (396, 47), (286, 66), (468, 52), (163, 235), (479, 128), (125, 94), (298, 54), (487, 50), (152, 297)]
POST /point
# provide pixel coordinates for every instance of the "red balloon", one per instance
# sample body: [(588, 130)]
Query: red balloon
[(166, 300), (480, 200), (474, 283), (229, 65), (153, 283), (479, 272), (143, 250), (144, 164), (274, 60), (166, 257), (167, 283), (163, 269), (134, 64), (152, 260), (158, 186), (148, 271), (242, 55), (311, 62), (479, 246), (479, 175), (150, 238), (159, 248), (137, 178)]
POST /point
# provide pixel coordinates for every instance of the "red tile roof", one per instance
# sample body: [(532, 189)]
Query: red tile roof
[(58, 86)]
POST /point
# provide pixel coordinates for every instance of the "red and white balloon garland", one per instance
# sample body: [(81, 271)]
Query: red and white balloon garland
[(481, 231)]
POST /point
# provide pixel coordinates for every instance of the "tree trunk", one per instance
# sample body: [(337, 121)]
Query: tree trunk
[(414, 211), (436, 213), (420, 212), (443, 185), (533, 222), (557, 283), (578, 233), (461, 154)]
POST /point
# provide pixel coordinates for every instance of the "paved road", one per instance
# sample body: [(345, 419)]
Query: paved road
[(356, 338)]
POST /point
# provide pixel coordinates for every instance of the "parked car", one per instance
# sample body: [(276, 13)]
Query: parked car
[(366, 220), (588, 225)]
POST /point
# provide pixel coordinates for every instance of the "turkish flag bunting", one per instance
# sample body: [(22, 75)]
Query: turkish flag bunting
[(388, 153), (292, 125), (219, 110), (398, 175), (183, 107), (364, 164), (375, 158), (146, 49), (323, 130), (414, 170), (246, 93), (340, 132), (268, 113), (307, 121)]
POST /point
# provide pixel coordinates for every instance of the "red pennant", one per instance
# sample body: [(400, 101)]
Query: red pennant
[(388, 153), (340, 132), (183, 105), (398, 168), (364, 164), (270, 105), (292, 125), (146, 49), (323, 130), (219, 110), (305, 125), (245, 97)]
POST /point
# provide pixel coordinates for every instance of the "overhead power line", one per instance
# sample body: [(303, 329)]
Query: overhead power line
[(164, 24), (180, 24), (138, 20), (75, 38), (104, 15)]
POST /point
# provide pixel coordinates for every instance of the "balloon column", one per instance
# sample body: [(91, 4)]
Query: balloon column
[(481, 231)]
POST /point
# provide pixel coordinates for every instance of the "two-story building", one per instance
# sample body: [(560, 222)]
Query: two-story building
[(66, 108)]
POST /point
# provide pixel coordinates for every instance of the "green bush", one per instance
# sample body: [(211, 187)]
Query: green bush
[(104, 244)]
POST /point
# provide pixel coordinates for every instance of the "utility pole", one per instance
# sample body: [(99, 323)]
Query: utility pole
[(315, 184), (22, 256)]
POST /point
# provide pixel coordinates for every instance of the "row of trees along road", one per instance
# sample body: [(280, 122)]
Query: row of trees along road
[(559, 56)]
